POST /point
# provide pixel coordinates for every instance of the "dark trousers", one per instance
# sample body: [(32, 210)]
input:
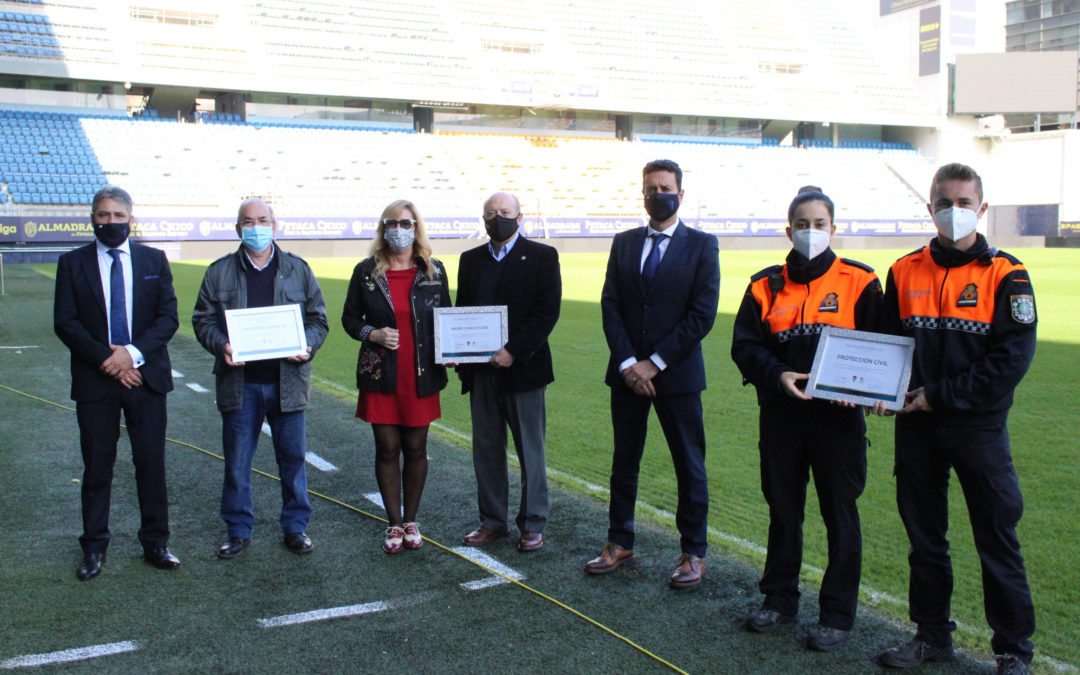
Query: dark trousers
[(680, 419), (926, 448), (795, 438), (99, 430), (525, 413)]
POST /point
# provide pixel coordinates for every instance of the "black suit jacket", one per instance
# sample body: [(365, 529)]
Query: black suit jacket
[(80, 319), (531, 289), (672, 318)]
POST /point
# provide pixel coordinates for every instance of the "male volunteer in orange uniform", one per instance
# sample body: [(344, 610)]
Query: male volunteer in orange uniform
[(971, 310)]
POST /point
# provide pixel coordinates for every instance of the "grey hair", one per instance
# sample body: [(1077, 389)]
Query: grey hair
[(253, 200), (111, 192)]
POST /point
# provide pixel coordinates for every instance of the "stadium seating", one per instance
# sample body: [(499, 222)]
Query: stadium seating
[(353, 171), (45, 158), (768, 58)]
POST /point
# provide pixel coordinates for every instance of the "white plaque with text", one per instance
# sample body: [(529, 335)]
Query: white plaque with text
[(861, 367), (469, 334)]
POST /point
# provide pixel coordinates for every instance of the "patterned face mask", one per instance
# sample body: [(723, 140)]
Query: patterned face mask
[(398, 239)]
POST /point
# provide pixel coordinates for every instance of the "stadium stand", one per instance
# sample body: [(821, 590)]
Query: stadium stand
[(585, 55), (51, 158)]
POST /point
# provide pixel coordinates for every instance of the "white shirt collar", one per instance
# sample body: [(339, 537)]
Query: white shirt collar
[(103, 250)]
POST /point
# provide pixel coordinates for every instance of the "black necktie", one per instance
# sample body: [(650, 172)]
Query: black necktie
[(652, 261), (118, 331)]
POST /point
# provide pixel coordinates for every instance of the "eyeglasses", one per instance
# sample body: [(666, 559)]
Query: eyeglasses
[(404, 223)]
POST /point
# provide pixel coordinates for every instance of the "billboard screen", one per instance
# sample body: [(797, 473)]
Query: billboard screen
[(1015, 82)]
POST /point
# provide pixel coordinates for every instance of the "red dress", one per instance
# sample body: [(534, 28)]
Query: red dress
[(402, 407)]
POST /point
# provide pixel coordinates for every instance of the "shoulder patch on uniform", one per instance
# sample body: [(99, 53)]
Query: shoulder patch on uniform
[(856, 263), (775, 269), (1022, 308)]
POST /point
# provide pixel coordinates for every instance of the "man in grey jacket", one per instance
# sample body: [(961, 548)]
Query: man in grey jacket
[(260, 274)]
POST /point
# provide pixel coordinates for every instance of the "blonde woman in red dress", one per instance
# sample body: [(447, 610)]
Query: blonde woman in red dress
[(389, 310)]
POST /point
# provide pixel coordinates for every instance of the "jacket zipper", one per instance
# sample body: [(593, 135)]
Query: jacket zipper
[(412, 310)]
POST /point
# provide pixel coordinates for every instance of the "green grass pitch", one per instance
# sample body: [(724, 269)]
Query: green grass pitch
[(203, 616)]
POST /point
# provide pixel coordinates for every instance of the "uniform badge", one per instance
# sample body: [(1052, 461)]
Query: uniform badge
[(969, 297), (830, 304), (1023, 308)]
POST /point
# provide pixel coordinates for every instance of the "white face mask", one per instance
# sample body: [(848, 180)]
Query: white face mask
[(810, 242), (955, 223)]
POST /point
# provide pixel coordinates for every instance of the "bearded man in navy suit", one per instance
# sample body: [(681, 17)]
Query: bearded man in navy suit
[(115, 309), (658, 303)]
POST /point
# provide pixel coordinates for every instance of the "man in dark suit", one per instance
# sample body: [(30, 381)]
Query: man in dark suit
[(509, 390), (115, 309), (658, 303)]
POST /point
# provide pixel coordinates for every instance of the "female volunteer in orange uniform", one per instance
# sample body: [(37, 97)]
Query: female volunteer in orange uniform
[(775, 337)]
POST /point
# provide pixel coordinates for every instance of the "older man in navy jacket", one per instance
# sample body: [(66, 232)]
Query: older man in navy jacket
[(508, 391), (659, 302)]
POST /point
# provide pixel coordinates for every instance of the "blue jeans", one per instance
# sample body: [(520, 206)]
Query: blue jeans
[(239, 439)]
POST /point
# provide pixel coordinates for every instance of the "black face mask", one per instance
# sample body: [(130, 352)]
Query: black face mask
[(501, 228), (112, 234), (661, 205)]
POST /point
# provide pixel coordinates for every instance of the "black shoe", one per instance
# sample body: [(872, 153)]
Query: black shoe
[(91, 566), (298, 542), (766, 620), (824, 638), (160, 558), (1011, 664), (911, 654), (233, 547)]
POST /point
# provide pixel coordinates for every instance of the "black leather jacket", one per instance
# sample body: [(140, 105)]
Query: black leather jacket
[(368, 307)]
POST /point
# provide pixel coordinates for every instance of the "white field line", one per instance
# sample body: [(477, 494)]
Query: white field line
[(318, 462), (323, 614), (177, 374), (487, 561), (197, 387), (874, 596), (481, 584), (310, 457), (67, 655), (348, 610), (375, 498), (22, 347)]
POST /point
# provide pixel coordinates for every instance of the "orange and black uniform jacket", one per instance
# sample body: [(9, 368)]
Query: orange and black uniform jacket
[(785, 308), (972, 314)]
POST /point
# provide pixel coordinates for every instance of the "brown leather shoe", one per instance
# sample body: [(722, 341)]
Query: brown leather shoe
[(481, 536), (688, 571), (530, 541), (610, 559)]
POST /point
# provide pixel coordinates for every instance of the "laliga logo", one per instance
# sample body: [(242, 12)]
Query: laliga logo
[(30, 228)]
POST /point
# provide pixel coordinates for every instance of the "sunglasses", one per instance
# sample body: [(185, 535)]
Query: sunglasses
[(404, 223)]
